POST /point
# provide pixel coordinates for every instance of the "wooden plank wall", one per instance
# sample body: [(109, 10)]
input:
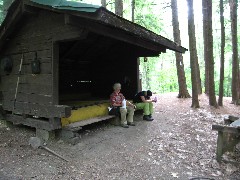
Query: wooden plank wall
[(36, 34)]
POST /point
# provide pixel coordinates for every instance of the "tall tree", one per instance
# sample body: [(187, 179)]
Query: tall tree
[(205, 40), (104, 4), (221, 81), (119, 7), (1, 12), (133, 10), (193, 54), (212, 96), (235, 61), (183, 92), (146, 72)]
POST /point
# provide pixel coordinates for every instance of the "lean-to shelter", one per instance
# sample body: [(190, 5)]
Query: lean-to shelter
[(56, 53)]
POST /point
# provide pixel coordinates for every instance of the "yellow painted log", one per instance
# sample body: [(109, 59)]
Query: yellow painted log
[(86, 112)]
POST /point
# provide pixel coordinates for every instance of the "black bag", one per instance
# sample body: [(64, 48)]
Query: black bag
[(115, 111)]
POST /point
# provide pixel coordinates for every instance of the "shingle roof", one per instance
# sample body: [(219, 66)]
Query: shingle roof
[(68, 5), (92, 14)]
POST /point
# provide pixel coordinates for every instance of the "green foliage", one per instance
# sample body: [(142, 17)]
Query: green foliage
[(148, 20), (1, 12)]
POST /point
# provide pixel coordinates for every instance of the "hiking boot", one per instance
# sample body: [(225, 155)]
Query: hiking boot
[(125, 125), (150, 116), (147, 118), (131, 124)]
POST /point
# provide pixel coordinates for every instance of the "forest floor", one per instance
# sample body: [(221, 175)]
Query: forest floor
[(178, 144)]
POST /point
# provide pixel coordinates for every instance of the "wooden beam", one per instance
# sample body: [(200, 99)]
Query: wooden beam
[(30, 10), (114, 33), (87, 121), (27, 97), (111, 19), (55, 75), (46, 111), (71, 35), (36, 123), (227, 129)]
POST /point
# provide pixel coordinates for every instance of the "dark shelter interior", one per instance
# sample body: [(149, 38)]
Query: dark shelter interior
[(89, 67)]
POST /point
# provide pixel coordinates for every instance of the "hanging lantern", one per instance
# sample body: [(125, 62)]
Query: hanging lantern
[(6, 64), (35, 64)]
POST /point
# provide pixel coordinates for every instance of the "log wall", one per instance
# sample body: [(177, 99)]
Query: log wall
[(36, 34)]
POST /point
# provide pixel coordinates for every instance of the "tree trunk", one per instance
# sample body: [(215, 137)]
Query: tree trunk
[(146, 70), (119, 7), (220, 99), (133, 10), (193, 54), (199, 81), (205, 39), (104, 4), (235, 61), (183, 92), (212, 96)]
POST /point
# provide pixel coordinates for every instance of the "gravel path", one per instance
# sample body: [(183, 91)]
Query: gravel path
[(178, 144)]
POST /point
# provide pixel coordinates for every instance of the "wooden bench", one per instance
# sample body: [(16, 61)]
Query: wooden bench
[(78, 125), (227, 139)]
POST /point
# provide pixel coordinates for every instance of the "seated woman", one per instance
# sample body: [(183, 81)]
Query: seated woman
[(125, 113), (142, 101)]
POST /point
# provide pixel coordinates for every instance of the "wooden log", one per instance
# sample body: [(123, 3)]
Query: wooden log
[(11, 80), (23, 46), (36, 123), (55, 73), (87, 121), (33, 88), (227, 139), (114, 33), (233, 118), (27, 97), (228, 129), (220, 145), (46, 68), (47, 111)]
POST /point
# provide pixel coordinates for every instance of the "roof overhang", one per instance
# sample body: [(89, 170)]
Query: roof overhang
[(99, 21)]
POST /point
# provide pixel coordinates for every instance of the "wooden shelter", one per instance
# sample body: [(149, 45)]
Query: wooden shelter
[(53, 52)]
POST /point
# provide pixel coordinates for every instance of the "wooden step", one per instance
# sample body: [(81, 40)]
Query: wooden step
[(77, 125)]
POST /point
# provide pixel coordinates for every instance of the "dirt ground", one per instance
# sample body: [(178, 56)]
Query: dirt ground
[(178, 144)]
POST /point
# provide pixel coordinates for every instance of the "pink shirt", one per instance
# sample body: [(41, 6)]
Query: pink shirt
[(116, 98)]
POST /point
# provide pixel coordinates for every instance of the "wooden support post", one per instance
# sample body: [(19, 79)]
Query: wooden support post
[(227, 139), (219, 146), (55, 122)]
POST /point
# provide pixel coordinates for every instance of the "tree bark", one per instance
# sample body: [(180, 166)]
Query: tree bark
[(183, 92), (119, 7), (221, 81), (193, 54), (235, 61), (133, 10), (199, 81), (104, 4), (205, 39), (212, 96), (146, 70)]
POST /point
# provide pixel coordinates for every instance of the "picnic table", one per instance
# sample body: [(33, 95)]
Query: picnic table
[(227, 139)]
